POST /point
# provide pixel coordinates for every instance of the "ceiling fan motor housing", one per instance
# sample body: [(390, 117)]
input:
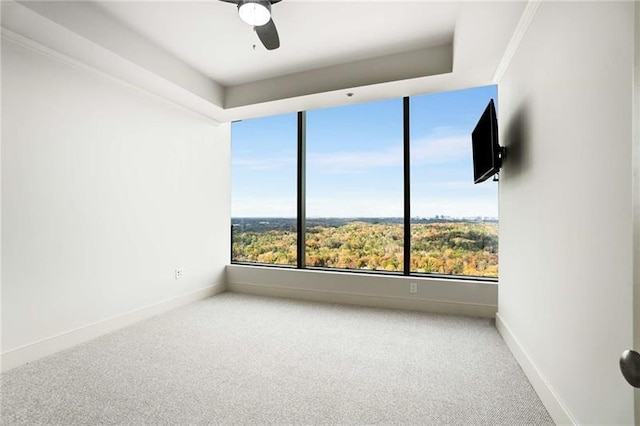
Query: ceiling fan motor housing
[(255, 12)]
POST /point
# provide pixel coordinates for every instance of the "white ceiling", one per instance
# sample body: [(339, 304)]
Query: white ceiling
[(211, 37), (205, 53)]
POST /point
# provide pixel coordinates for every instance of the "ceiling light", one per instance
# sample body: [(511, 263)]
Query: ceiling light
[(256, 13)]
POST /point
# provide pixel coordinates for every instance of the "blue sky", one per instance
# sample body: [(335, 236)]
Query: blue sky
[(354, 160)]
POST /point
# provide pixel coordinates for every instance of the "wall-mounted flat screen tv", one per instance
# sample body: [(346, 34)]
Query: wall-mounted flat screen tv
[(487, 153)]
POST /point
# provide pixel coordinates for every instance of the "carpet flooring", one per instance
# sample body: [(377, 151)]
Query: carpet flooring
[(241, 359)]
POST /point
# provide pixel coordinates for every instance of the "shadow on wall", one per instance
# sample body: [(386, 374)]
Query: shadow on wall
[(516, 141)]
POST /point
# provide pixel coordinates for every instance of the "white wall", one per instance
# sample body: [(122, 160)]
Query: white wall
[(451, 296), (565, 301), (105, 191)]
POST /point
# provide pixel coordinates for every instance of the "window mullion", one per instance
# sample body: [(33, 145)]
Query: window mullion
[(301, 198), (407, 187)]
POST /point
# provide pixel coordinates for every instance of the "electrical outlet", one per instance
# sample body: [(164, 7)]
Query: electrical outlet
[(179, 273), (413, 288)]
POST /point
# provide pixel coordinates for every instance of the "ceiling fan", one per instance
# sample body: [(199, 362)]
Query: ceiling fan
[(258, 14)]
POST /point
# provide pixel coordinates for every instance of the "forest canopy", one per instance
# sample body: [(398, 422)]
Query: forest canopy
[(468, 248)]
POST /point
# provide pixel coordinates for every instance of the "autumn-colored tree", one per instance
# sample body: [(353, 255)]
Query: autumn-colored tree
[(456, 247)]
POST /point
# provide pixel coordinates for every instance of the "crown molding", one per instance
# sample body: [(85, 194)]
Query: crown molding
[(521, 29), (30, 30)]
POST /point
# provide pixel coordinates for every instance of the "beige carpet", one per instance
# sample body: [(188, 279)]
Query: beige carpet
[(239, 359)]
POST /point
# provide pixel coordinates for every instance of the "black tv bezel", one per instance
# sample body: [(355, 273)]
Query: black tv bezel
[(489, 114)]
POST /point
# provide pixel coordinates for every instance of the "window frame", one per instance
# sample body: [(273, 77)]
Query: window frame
[(301, 218)]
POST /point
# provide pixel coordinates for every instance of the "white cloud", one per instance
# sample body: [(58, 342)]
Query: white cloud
[(430, 150), (257, 163), (440, 150), (423, 151), (347, 161)]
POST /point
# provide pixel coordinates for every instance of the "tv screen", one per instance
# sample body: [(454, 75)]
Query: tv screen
[(487, 154)]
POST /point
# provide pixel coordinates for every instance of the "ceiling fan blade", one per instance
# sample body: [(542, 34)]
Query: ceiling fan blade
[(231, 1), (268, 35)]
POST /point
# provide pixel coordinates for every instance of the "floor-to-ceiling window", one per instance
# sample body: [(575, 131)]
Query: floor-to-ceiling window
[(381, 186)]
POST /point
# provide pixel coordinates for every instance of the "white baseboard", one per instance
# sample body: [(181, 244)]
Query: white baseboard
[(554, 406), (33, 351), (392, 302)]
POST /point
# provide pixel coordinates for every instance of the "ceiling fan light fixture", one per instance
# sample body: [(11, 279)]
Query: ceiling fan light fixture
[(256, 13)]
